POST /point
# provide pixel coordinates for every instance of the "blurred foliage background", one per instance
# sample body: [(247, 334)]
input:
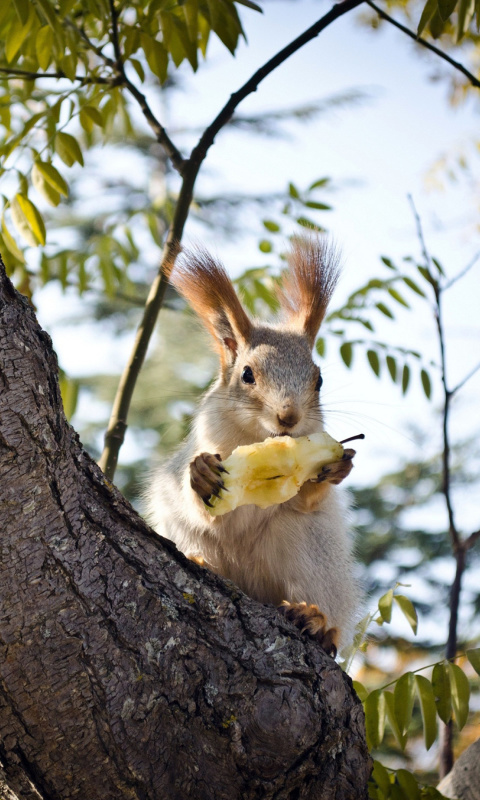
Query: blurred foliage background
[(89, 193)]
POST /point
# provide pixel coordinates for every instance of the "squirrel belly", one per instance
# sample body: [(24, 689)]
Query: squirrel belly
[(272, 554), (268, 385)]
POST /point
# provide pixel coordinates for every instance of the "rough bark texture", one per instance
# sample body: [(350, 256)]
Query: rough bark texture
[(126, 671)]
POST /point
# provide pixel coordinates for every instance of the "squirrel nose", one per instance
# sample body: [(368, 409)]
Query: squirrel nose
[(288, 417)]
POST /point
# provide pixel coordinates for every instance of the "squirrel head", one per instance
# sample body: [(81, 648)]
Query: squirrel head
[(268, 377)]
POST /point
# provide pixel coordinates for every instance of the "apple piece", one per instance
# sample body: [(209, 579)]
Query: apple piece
[(271, 472)]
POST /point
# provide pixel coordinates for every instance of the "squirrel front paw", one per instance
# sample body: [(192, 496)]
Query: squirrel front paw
[(310, 619), (205, 480), (336, 472)]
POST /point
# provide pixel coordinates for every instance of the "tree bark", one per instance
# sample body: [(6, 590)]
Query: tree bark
[(125, 670)]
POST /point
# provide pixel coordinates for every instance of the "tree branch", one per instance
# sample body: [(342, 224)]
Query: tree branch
[(117, 425), (472, 539), (160, 133), (462, 272), (473, 80), (251, 85), (465, 379), (10, 72)]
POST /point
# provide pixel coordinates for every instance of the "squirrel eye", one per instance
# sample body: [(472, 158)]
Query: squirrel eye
[(247, 375), (318, 383)]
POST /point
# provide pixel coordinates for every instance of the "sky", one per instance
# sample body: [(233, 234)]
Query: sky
[(377, 151)]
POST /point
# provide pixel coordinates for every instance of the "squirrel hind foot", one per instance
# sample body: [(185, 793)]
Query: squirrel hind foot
[(311, 620)]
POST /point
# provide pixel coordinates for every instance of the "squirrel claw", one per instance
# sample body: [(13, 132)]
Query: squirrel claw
[(204, 477), (311, 620)]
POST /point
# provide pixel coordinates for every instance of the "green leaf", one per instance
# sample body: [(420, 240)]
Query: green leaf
[(428, 709), (385, 605), (439, 267), (374, 361), (321, 347), (374, 707), (381, 778), (92, 114), (28, 220), (69, 388), (293, 191), (427, 13), (43, 46), (265, 246), (442, 692), (405, 378), (392, 368), (68, 149), (21, 7), (460, 689), (52, 176), (414, 286), (318, 206), (424, 272), (397, 296), (10, 243), (426, 383), (388, 262), (17, 35), (346, 352), (360, 690), (250, 4), (43, 187), (390, 711), (308, 223), (446, 8), (409, 784), (271, 226), (318, 184), (404, 695), (408, 610), (385, 310), (465, 14), (474, 658)]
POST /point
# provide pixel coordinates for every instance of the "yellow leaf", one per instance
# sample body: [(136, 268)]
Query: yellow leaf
[(43, 187), (28, 220)]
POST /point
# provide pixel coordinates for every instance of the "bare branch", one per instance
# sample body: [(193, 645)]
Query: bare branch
[(473, 80), (208, 137), (10, 72), (462, 272), (418, 223), (472, 539), (464, 381), (161, 134)]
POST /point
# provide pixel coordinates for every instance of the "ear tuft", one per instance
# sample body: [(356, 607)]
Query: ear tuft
[(309, 284), (206, 286)]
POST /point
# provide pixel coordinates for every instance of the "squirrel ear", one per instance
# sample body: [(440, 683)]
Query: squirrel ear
[(309, 284), (205, 285)]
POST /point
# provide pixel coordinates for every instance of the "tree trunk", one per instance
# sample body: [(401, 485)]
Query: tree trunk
[(125, 670)]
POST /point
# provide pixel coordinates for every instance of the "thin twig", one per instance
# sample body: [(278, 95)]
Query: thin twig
[(462, 272), (161, 134), (251, 85), (464, 381), (10, 72), (418, 223), (473, 80), (474, 537)]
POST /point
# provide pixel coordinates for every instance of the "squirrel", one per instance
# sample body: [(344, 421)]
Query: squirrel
[(297, 554)]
